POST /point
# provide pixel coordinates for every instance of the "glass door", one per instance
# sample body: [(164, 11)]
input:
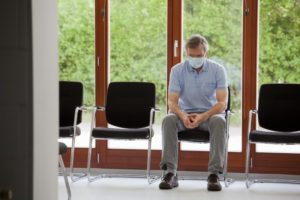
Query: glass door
[(279, 48)]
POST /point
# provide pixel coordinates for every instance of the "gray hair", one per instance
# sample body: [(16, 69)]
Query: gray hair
[(195, 40)]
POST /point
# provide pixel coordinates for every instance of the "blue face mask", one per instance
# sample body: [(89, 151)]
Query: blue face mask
[(196, 62)]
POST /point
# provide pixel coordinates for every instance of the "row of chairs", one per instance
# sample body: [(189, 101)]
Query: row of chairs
[(131, 106)]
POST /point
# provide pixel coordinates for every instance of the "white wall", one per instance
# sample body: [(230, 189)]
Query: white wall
[(45, 95)]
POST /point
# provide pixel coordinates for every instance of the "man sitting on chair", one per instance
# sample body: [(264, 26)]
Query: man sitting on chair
[(197, 99)]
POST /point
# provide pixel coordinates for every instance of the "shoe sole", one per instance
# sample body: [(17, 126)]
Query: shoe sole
[(167, 186), (214, 189)]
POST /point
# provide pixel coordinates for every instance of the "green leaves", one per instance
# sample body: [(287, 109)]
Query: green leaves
[(138, 43), (279, 46), (77, 44), (138, 40)]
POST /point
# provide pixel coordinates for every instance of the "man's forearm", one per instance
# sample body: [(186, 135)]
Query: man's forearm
[(174, 108), (216, 109)]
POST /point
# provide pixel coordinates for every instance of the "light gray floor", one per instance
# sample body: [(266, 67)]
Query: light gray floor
[(131, 189)]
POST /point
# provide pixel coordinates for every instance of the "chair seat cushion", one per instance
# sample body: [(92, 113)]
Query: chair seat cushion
[(116, 133), (274, 137), (67, 131), (194, 135), (62, 148)]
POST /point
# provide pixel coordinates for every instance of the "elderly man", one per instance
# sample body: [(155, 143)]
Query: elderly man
[(197, 99)]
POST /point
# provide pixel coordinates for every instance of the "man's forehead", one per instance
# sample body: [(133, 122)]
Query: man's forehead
[(198, 51)]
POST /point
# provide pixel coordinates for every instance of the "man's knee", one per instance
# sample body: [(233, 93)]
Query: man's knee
[(217, 120), (170, 120)]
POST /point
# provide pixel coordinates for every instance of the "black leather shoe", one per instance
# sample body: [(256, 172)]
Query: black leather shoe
[(169, 181), (213, 183)]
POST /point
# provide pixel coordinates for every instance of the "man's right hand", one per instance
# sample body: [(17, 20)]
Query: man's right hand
[(174, 108), (187, 121)]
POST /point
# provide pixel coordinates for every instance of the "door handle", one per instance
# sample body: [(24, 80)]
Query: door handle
[(175, 48)]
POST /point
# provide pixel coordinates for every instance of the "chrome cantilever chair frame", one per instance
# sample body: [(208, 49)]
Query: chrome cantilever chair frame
[(76, 176), (70, 114), (151, 178), (250, 181)]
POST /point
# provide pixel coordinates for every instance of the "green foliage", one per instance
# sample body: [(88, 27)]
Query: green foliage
[(138, 41), (279, 47), (77, 44)]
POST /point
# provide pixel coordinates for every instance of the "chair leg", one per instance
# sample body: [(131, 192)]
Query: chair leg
[(248, 182), (72, 174), (89, 160), (149, 161), (72, 159), (151, 179), (61, 163), (225, 170), (227, 181)]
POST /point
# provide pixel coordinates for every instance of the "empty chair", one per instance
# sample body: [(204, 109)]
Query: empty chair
[(130, 107), (70, 115), (278, 115)]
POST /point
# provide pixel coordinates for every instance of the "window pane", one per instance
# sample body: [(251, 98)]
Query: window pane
[(279, 50), (76, 53), (138, 53), (221, 23)]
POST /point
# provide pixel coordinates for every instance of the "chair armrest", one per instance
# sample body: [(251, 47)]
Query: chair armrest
[(94, 108), (251, 112), (155, 109), (152, 111), (230, 111), (85, 108)]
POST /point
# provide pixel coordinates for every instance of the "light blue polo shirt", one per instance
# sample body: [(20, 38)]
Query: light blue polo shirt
[(197, 91)]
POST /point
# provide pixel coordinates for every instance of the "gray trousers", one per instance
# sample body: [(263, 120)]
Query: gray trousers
[(215, 125)]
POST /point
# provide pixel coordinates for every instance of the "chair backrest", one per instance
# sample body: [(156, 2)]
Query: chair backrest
[(278, 107), (128, 104), (70, 97)]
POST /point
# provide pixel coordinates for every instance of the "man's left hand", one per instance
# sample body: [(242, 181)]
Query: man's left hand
[(196, 119)]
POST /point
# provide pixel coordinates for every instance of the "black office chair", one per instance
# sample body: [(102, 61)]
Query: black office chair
[(130, 106), (201, 136), (62, 149), (278, 113), (70, 115)]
